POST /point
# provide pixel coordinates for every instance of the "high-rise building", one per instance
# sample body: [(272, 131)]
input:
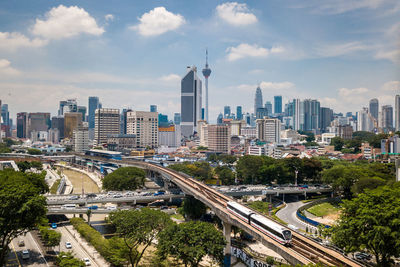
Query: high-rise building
[(311, 110), (5, 114), (268, 106), (71, 121), (22, 118), (219, 138), (82, 110), (145, 126), (69, 105), (227, 112), (277, 104), (397, 112), (80, 139), (153, 108), (269, 130), (57, 122), (220, 118), (387, 117), (206, 73), (169, 136), (93, 105), (61, 107), (123, 120), (296, 111), (177, 118), (106, 124), (365, 121), (39, 121), (326, 118), (261, 113), (258, 100), (374, 108), (239, 113), (163, 120), (190, 102)]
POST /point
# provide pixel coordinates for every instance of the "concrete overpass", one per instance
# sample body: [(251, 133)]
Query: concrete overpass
[(304, 252)]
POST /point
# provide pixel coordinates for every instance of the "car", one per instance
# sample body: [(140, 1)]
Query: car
[(129, 194), (362, 256), (93, 207), (112, 207), (54, 225), (68, 245), (159, 193), (74, 198), (117, 195), (25, 254), (91, 195), (270, 188), (87, 261), (21, 243)]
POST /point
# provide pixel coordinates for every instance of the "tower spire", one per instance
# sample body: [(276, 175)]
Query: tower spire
[(206, 72)]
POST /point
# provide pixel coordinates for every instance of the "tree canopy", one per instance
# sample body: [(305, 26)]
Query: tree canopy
[(199, 170), (21, 206), (138, 228), (191, 241), (124, 178), (66, 259), (193, 208), (371, 221)]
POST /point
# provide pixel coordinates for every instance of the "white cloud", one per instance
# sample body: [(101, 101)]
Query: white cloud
[(172, 78), (247, 50), (334, 50), (343, 6), (275, 85), (345, 92), (158, 21), (14, 40), (109, 17), (236, 14), (6, 69), (392, 55), (392, 86), (65, 22)]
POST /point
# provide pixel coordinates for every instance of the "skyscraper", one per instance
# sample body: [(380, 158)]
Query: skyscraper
[(326, 116), (177, 118), (220, 118), (239, 114), (145, 126), (277, 104), (106, 123), (268, 106), (93, 105), (374, 108), (397, 112), (311, 108), (387, 117), (57, 122), (21, 124), (190, 101), (206, 73), (227, 112), (38, 121), (258, 100), (365, 121), (298, 120), (82, 110), (71, 121), (153, 108)]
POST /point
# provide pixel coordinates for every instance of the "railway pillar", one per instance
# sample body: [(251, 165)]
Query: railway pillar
[(227, 252)]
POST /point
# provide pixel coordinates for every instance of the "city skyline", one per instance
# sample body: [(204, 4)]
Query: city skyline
[(118, 56)]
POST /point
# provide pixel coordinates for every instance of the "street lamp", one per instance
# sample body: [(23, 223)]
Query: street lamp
[(295, 177)]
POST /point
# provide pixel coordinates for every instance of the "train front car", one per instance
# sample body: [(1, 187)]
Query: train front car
[(271, 229)]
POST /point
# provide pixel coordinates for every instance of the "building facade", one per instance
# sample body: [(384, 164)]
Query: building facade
[(71, 121), (38, 121), (278, 104), (269, 130), (374, 108), (80, 139), (21, 124), (144, 125), (219, 138), (106, 124), (387, 117), (258, 100), (121, 142)]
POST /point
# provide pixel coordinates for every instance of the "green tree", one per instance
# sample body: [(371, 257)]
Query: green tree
[(337, 142), (312, 169), (343, 178), (125, 178), (193, 208), (37, 165), (247, 168), (363, 135), (23, 165), (138, 228), (371, 221), (190, 242), (225, 174), (21, 207), (89, 214), (51, 238), (34, 151), (367, 183), (228, 159), (66, 259)]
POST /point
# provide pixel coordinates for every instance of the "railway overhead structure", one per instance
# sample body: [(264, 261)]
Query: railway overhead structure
[(303, 251)]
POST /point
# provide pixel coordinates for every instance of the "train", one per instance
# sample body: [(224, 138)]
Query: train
[(268, 227)]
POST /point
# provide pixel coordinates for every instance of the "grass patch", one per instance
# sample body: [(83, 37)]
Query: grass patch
[(263, 207), (54, 187), (323, 209)]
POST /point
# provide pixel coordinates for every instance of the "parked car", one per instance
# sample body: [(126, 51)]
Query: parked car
[(117, 195), (91, 195), (68, 245), (25, 254), (93, 207), (54, 225), (159, 193), (74, 198), (112, 207)]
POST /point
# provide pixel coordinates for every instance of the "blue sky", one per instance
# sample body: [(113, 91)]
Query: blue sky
[(134, 53)]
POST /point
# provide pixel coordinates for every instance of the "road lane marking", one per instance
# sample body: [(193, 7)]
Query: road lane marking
[(16, 256), (37, 246)]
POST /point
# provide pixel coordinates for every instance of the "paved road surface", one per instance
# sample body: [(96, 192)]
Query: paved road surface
[(77, 249), (288, 214), (36, 255)]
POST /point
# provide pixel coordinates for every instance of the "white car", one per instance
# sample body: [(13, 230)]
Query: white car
[(25, 254), (112, 207), (68, 245), (86, 261)]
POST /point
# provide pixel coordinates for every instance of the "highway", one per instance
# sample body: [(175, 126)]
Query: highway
[(36, 258), (288, 214)]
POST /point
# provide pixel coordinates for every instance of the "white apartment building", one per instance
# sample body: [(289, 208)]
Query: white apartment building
[(106, 123), (269, 130), (145, 125), (80, 139)]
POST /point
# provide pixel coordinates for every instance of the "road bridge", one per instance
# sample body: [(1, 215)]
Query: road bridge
[(304, 252)]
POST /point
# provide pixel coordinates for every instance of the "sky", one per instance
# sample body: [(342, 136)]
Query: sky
[(134, 53)]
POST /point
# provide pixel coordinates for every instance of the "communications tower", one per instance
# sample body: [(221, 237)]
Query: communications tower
[(206, 72)]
